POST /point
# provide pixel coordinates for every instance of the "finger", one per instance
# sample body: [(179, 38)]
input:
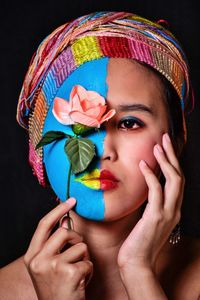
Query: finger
[(58, 240), (167, 169), (170, 153), (46, 225), (172, 158), (155, 197), (174, 183), (67, 222), (75, 253), (85, 269)]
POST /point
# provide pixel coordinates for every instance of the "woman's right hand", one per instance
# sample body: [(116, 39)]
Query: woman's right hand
[(58, 274)]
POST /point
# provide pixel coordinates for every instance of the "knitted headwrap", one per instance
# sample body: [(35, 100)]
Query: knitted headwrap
[(97, 35)]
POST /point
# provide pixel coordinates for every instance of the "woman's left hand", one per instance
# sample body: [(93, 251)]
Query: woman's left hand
[(162, 213)]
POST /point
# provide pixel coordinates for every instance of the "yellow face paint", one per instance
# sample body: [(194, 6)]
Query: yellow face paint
[(91, 179)]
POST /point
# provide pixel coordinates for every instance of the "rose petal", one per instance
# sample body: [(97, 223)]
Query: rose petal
[(96, 112), (82, 92), (85, 104), (61, 104), (75, 90), (84, 119), (76, 104), (61, 109), (108, 115), (95, 98)]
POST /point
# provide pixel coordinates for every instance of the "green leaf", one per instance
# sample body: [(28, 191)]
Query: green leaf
[(80, 152), (80, 128), (51, 136)]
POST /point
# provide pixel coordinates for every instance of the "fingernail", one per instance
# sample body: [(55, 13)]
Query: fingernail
[(159, 148), (64, 222), (143, 164), (167, 138), (82, 283), (70, 201)]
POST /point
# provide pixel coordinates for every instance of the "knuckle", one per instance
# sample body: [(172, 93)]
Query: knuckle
[(43, 222), (90, 266), (176, 179), (177, 216), (26, 259), (173, 217), (56, 266), (179, 179), (63, 231), (158, 217), (71, 272), (183, 179), (35, 266), (83, 247), (157, 187), (169, 217), (78, 237)]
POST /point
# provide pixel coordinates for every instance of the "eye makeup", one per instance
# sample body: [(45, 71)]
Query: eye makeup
[(130, 123)]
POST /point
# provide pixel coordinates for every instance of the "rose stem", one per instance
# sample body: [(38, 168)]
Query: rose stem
[(68, 187)]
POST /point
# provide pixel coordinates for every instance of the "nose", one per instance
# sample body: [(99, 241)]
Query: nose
[(110, 151)]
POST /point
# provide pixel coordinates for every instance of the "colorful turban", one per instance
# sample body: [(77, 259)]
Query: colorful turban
[(94, 36)]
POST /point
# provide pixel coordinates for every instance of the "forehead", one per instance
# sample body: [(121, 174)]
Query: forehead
[(91, 75), (118, 80), (130, 82)]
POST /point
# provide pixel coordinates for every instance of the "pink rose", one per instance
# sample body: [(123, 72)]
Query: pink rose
[(84, 107)]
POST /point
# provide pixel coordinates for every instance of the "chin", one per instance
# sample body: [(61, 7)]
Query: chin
[(119, 205)]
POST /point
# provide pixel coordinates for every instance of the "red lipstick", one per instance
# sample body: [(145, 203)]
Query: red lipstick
[(107, 180)]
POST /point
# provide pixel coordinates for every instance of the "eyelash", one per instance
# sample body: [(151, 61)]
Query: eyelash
[(131, 121)]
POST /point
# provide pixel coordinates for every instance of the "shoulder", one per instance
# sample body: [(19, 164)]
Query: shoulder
[(16, 282), (188, 285), (180, 275)]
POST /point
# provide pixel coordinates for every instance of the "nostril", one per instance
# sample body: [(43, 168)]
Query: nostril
[(106, 157)]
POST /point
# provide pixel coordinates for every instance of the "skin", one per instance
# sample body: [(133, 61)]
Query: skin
[(114, 257), (127, 147)]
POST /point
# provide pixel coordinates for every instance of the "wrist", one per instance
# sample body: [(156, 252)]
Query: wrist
[(136, 272), (141, 282), (135, 265)]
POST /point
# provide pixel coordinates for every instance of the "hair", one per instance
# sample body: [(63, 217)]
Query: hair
[(174, 112), (176, 129)]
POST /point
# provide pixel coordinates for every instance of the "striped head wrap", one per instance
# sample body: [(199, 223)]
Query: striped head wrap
[(97, 35)]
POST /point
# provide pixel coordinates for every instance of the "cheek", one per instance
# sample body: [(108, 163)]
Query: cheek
[(136, 185), (133, 189), (142, 149), (146, 153)]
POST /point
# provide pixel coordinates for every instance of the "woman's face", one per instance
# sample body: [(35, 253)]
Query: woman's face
[(136, 93)]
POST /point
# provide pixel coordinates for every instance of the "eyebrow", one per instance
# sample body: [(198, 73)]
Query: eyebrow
[(135, 107)]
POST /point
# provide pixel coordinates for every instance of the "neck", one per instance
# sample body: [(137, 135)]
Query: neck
[(104, 240), (101, 236)]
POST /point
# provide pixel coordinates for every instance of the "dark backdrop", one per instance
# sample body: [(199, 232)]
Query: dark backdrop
[(23, 26)]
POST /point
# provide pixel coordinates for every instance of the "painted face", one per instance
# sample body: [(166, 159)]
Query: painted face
[(136, 94)]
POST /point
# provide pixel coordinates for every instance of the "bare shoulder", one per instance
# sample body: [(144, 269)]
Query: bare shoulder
[(180, 275), (189, 278), (16, 282)]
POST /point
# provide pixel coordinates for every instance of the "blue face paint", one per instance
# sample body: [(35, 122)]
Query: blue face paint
[(90, 203)]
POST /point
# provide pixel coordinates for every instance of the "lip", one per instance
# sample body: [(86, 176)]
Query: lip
[(99, 180), (107, 180), (105, 174)]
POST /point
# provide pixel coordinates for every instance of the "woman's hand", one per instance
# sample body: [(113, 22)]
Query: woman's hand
[(57, 273), (162, 213)]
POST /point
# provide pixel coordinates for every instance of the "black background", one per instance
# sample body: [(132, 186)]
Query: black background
[(23, 26)]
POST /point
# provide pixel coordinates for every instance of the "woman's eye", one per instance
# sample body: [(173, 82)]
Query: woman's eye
[(130, 123)]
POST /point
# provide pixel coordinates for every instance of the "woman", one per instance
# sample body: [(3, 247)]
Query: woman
[(127, 83)]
